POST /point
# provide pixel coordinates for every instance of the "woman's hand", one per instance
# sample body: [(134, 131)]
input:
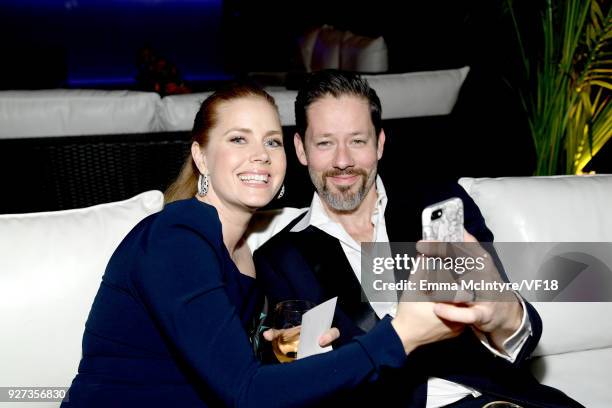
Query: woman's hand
[(498, 317), (325, 340), (416, 321), (417, 324)]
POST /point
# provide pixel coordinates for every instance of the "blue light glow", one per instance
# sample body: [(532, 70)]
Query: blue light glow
[(100, 39)]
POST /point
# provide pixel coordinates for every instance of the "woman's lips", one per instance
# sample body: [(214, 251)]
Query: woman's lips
[(258, 180)]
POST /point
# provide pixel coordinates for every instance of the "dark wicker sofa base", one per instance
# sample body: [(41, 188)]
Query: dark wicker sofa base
[(57, 173)]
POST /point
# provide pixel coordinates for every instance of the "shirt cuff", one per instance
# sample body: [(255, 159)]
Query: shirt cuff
[(513, 344)]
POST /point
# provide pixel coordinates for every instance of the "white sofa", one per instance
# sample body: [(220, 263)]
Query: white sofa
[(78, 112), (51, 265), (575, 352), (93, 146)]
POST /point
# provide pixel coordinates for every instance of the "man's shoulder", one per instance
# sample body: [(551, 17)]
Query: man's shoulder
[(407, 200), (423, 191), (287, 252), (266, 224), (280, 241), (285, 236)]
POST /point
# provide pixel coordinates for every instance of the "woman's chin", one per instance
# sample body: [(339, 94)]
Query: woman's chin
[(257, 202)]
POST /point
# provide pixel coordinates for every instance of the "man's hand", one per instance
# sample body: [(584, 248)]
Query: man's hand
[(325, 340), (499, 319)]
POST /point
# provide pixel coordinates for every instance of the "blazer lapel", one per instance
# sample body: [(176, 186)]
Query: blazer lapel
[(335, 276)]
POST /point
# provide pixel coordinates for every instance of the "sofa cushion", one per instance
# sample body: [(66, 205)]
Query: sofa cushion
[(545, 209), (326, 47), (326, 51), (178, 111), (61, 112), (414, 94), (583, 376), (306, 44), (51, 265), (363, 54), (553, 209), (427, 93), (573, 326)]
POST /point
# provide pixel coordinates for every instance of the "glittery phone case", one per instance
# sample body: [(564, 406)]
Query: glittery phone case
[(443, 221)]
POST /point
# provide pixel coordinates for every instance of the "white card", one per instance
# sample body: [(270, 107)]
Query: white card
[(315, 322)]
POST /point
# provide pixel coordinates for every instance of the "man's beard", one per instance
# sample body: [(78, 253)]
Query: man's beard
[(344, 200)]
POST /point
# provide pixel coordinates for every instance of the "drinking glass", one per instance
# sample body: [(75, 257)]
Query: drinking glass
[(501, 404), (288, 319)]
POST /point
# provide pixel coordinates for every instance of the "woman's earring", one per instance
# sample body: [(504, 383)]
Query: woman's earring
[(203, 184), (281, 193)]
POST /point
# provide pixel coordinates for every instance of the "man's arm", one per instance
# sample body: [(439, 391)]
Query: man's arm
[(518, 343)]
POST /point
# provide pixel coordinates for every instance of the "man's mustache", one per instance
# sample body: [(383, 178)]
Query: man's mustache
[(346, 172)]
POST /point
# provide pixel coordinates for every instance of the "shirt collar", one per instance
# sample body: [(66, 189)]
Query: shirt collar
[(317, 214)]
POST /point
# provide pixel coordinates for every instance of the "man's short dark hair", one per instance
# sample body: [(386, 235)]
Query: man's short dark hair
[(335, 83)]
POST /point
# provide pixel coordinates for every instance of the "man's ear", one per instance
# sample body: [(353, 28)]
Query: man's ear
[(381, 144), (299, 149), (198, 157)]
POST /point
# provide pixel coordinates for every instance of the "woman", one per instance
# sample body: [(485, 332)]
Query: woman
[(167, 327)]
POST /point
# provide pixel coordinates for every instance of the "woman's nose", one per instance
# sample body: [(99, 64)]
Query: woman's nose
[(260, 154)]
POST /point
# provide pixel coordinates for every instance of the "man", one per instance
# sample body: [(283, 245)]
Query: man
[(317, 256)]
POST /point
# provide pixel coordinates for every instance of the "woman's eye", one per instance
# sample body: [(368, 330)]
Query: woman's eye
[(274, 142), (238, 139)]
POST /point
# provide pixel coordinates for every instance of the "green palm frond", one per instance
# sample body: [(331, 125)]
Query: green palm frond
[(591, 123), (568, 101)]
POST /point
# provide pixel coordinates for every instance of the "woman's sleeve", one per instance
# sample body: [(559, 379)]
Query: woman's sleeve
[(180, 282)]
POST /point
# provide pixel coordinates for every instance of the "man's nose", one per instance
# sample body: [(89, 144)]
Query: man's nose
[(342, 157)]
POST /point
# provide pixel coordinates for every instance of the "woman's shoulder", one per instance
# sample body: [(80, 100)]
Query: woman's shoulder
[(190, 215)]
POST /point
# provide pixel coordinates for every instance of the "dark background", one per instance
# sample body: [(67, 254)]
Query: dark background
[(95, 43)]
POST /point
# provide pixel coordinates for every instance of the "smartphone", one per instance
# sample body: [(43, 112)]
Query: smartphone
[(443, 221)]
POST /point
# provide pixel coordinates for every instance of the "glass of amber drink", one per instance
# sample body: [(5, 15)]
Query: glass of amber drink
[(288, 319)]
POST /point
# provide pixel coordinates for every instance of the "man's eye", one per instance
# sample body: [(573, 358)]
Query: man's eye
[(274, 142), (238, 139), (359, 141), (323, 144)]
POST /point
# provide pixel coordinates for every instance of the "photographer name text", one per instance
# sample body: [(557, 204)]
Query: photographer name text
[(467, 285)]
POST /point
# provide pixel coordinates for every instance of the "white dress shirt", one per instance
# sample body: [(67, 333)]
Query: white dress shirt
[(440, 392)]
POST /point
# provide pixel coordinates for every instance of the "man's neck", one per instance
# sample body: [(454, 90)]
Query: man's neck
[(357, 223)]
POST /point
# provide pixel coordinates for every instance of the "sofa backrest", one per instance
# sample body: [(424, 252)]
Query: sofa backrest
[(553, 209), (51, 265), (75, 112), (78, 112), (118, 144), (545, 209), (407, 95), (327, 47)]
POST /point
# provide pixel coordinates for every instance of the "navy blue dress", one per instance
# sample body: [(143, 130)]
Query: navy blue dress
[(168, 328)]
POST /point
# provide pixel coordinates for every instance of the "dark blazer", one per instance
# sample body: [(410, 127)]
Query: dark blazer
[(311, 265), (168, 327)]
